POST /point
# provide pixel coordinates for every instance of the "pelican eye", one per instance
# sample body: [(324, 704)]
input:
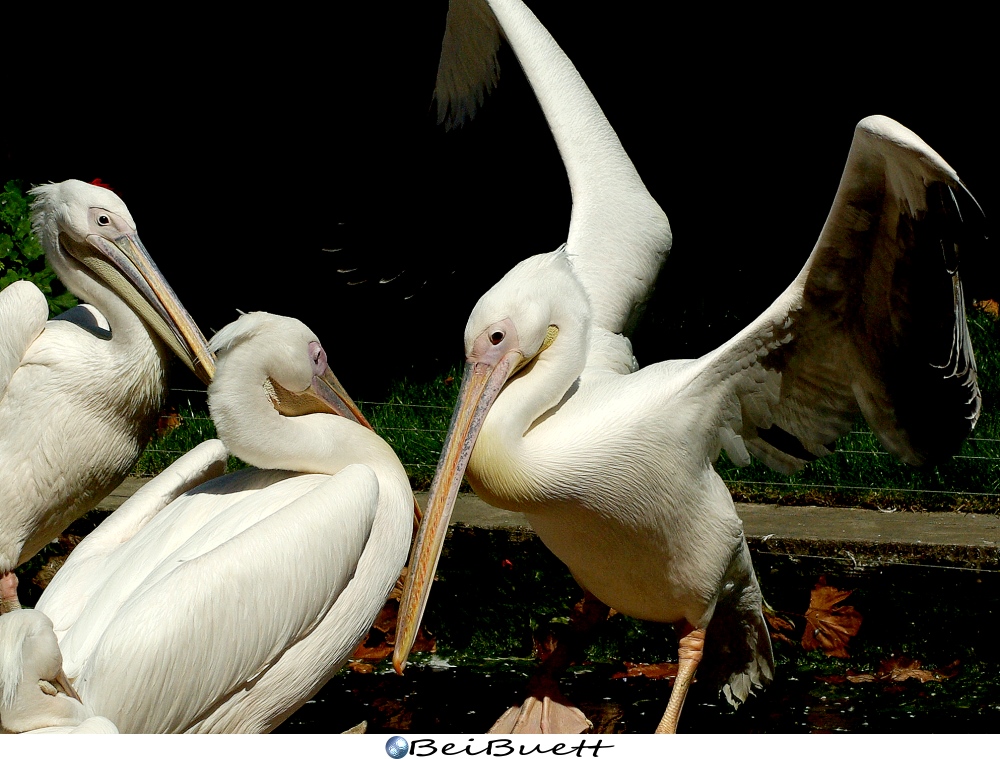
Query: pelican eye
[(497, 337), (104, 220), (318, 356)]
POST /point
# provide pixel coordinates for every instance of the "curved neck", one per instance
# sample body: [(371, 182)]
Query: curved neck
[(611, 204), (537, 391), (593, 155), (501, 468), (253, 430)]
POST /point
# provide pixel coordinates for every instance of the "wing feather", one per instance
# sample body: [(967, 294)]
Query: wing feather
[(875, 322), (191, 635), (23, 313), (467, 69), (86, 569)]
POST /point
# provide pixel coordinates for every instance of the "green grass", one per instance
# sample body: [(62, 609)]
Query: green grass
[(862, 473), (184, 427), (414, 416), (414, 419)]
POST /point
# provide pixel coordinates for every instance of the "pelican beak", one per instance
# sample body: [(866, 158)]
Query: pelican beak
[(329, 388), (324, 396), (125, 265), (62, 683), (481, 384)]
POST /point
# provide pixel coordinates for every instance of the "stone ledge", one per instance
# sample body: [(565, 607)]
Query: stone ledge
[(864, 537)]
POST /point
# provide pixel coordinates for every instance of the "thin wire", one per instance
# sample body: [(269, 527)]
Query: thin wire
[(729, 481), (872, 488)]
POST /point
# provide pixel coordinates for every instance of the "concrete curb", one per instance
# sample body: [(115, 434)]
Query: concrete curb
[(862, 536)]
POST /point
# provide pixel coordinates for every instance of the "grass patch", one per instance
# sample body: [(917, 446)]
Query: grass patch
[(414, 420), (414, 416), (181, 428)]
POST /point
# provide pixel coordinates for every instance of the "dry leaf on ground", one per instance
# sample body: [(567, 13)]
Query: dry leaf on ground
[(830, 624), (660, 671), (990, 307), (899, 668), (168, 422), (778, 624), (381, 638)]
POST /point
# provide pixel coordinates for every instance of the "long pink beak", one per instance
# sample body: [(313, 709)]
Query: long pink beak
[(481, 384)]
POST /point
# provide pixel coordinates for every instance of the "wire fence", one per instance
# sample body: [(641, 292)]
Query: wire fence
[(858, 471)]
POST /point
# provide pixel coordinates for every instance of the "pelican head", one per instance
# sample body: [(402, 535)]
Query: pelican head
[(537, 310), (280, 360), (86, 228), (34, 690)]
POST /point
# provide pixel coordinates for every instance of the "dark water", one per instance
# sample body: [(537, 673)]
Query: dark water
[(945, 618), (467, 699)]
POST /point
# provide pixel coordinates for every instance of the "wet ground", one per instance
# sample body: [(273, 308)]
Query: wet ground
[(467, 699), (925, 657)]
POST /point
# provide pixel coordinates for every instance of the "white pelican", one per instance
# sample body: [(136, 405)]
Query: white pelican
[(221, 604), (35, 696), (80, 394), (612, 465)]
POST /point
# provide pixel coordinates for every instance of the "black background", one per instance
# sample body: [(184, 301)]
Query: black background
[(246, 145)]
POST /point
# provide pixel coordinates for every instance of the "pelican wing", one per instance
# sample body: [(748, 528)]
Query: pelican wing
[(23, 313), (86, 569), (875, 321), (619, 236), (193, 633), (468, 68)]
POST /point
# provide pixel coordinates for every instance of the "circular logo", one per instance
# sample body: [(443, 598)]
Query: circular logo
[(396, 747)]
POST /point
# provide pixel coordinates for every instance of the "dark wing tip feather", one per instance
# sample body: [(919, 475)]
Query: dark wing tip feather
[(930, 367), (468, 69)]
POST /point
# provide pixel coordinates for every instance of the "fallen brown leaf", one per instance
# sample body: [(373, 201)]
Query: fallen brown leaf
[(902, 667), (381, 638), (832, 679), (778, 624), (990, 307), (44, 575), (661, 671), (830, 625), (167, 423)]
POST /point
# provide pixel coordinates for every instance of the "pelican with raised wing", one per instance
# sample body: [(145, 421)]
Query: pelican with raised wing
[(613, 465), (221, 603), (80, 394)]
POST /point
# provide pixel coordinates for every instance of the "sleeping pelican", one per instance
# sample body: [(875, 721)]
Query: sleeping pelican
[(613, 465), (35, 696), (80, 394), (211, 603)]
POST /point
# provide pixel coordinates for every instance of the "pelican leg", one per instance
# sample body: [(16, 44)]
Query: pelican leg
[(8, 593), (546, 710), (690, 648)]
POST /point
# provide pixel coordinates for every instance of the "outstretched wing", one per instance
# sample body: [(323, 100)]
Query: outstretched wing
[(875, 321), (619, 236)]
